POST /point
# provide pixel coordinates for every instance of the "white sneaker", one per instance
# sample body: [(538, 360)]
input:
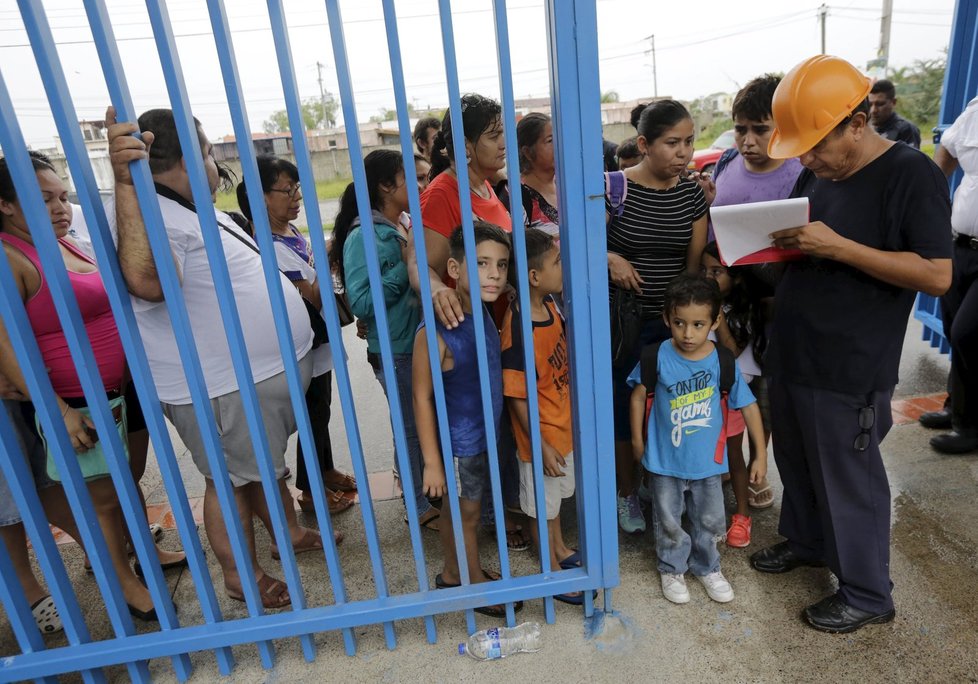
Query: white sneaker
[(717, 587), (630, 517), (674, 587)]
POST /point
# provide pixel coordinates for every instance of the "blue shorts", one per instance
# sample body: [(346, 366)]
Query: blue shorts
[(472, 475)]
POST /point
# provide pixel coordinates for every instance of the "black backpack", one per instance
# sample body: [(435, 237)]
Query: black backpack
[(650, 377)]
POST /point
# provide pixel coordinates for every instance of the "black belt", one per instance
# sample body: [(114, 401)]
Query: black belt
[(969, 241)]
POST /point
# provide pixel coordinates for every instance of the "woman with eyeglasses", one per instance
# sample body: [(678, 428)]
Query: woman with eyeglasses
[(283, 197)]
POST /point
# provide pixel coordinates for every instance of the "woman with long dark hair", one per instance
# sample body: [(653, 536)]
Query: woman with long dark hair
[(659, 233), (441, 212), (387, 189), (535, 137), (100, 327)]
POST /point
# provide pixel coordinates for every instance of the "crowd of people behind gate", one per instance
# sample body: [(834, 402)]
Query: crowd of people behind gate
[(703, 351)]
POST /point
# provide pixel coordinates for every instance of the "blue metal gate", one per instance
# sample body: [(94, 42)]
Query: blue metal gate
[(960, 87), (572, 41)]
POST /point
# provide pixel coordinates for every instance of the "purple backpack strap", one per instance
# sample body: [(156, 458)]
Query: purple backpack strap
[(616, 189)]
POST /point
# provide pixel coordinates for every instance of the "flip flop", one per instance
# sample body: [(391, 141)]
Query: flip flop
[(46, 615), (182, 563), (310, 542), (440, 583), (516, 541), (753, 494), (572, 561), (573, 600), (344, 483), (271, 591), (498, 610), (335, 501), (431, 522)]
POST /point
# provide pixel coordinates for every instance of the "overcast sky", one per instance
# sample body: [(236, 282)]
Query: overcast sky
[(701, 47)]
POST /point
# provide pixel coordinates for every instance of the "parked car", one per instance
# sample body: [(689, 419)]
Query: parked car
[(704, 160)]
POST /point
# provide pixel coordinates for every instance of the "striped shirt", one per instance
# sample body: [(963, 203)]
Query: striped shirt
[(653, 234)]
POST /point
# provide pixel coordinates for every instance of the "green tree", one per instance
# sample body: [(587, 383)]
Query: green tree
[(609, 96), (315, 114), (919, 89), (391, 114)]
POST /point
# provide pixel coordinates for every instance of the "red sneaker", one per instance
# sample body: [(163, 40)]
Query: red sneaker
[(738, 535)]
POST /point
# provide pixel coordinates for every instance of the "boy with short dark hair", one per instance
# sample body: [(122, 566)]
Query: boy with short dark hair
[(686, 447), (628, 154), (458, 358), (551, 362)]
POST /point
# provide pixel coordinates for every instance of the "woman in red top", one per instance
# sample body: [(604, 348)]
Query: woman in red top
[(441, 212), (101, 329)]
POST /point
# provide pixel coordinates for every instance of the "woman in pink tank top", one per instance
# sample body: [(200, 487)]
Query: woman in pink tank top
[(93, 304)]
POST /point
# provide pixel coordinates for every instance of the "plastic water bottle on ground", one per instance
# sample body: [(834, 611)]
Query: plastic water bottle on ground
[(499, 642)]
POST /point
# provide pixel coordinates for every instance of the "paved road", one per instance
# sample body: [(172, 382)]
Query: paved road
[(327, 212)]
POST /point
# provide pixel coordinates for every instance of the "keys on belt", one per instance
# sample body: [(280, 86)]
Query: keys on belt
[(968, 241)]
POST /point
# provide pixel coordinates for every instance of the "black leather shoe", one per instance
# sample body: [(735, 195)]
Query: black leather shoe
[(936, 420), (834, 615), (779, 558), (954, 443)]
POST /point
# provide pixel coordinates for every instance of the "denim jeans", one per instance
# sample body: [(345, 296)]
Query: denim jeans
[(402, 372), (702, 501)]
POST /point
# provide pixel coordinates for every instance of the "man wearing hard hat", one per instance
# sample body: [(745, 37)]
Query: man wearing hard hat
[(880, 231)]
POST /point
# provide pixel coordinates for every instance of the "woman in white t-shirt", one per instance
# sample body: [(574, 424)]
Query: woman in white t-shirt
[(280, 185)]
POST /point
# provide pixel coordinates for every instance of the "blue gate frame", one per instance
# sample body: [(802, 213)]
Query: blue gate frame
[(573, 59), (960, 87)]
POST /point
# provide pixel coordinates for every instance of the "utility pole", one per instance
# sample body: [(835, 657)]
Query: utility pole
[(655, 80), (322, 91), (822, 12), (883, 57)]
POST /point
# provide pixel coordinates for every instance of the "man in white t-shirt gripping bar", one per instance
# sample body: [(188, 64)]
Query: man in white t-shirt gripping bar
[(161, 147)]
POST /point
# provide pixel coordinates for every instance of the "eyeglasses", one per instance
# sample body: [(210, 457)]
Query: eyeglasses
[(867, 418), (291, 191)]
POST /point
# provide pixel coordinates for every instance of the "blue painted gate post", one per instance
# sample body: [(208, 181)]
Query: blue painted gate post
[(575, 92), (960, 86)]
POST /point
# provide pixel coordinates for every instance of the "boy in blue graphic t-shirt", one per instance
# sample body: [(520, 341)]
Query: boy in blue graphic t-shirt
[(685, 426)]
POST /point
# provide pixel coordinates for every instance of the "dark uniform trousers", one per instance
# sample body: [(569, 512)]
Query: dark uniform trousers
[(959, 310), (836, 504)]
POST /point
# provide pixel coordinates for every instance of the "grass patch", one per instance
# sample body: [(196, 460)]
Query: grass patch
[(325, 189)]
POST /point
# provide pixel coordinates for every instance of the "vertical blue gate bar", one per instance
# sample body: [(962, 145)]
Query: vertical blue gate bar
[(176, 307), (35, 375), (338, 42), (378, 300), (572, 37), (427, 307), (523, 289), (585, 294), (960, 86), (249, 165), (211, 233), (17, 473), (84, 179), (414, 203), (303, 160), (16, 606), (472, 268)]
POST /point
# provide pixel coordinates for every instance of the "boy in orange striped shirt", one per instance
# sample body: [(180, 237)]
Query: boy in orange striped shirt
[(553, 396)]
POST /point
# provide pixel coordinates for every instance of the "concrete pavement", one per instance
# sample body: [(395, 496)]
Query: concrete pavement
[(757, 637)]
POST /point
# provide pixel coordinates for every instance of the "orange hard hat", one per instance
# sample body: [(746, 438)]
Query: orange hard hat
[(811, 100)]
